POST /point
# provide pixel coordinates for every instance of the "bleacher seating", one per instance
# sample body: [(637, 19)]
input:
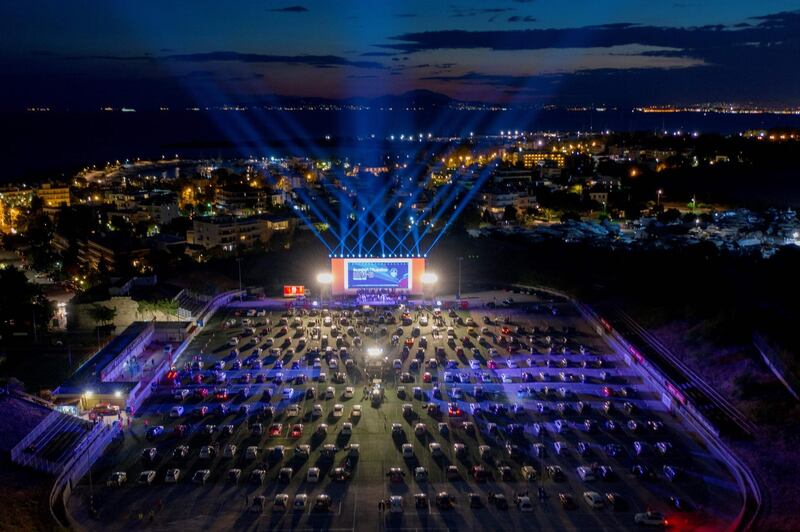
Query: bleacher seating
[(56, 443), (191, 305)]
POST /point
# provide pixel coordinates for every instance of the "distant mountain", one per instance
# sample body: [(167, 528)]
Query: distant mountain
[(415, 98)]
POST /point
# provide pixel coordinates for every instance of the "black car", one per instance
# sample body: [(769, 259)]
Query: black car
[(475, 500), (616, 502)]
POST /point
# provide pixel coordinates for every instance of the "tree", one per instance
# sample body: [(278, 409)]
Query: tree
[(102, 315), (510, 214), (470, 217), (23, 305)]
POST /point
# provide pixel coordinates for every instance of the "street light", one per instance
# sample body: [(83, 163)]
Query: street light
[(324, 278), (658, 197)]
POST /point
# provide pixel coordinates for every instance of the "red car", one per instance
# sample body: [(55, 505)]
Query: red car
[(506, 330), (453, 410), (198, 379), (202, 393), (297, 430), (426, 377), (491, 364), (181, 430), (409, 342), (275, 429), (221, 394), (607, 391)]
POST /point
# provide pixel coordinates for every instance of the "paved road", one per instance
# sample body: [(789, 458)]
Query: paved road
[(220, 503)]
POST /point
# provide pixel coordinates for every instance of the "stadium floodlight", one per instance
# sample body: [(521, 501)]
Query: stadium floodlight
[(325, 278), (89, 394), (429, 278), (374, 351)]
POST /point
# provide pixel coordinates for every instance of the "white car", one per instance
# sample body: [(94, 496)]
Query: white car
[(281, 501), (506, 379), (349, 392), (329, 392), (146, 477), (435, 449), (316, 410), (288, 393), (177, 411), (338, 410), (593, 499), (512, 363), (474, 364), (396, 504), (650, 518), (312, 475), (585, 473), (293, 410), (560, 447), (347, 429), (300, 502), (252, 452), (356, 411)]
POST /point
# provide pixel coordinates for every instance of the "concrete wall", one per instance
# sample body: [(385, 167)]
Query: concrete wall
[(79, 316)]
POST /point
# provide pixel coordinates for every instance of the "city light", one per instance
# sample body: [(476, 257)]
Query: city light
[(325, 278), (374, 351)]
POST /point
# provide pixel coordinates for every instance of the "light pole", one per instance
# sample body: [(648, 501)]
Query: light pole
[(658, 197), (323, 278), (460, 260), (239, 264)]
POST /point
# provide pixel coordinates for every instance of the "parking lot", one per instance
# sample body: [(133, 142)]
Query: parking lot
[(523, 400)]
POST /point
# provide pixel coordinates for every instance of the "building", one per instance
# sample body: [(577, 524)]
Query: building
[(111, 252), (53, 196), (537, 158), (600, 196), (160, 209), (496, 200), (228, 232), (242, 200)]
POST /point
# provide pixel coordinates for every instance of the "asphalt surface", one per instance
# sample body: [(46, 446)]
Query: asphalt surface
[(220, 503)]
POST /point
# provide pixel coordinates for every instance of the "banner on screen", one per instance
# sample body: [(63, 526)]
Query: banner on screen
[(294, 290), (378, 274)]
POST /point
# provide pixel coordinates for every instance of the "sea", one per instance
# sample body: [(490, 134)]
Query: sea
[(54, 145)]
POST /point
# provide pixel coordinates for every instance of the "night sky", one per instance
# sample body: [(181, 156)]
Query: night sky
[(86, 54)]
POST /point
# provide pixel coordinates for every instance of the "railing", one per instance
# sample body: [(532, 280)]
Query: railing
[(776, 364), (86, 454), (110, 371), (747, 482)]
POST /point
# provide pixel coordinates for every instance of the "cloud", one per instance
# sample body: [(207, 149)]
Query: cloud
[(472, 12), (379, 54), (289, 9), (694, 41), (519, 18), (320, 61)]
